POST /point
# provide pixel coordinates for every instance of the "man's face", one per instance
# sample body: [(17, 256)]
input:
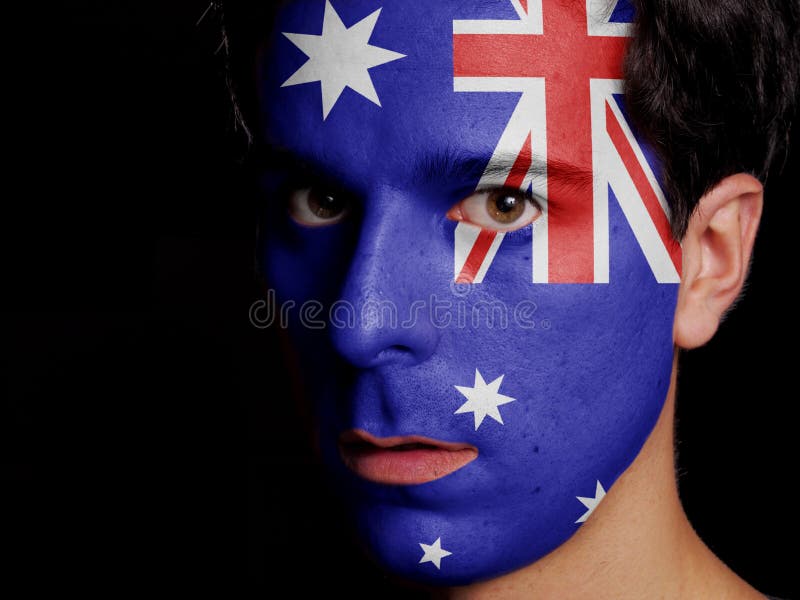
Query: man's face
[(476, 251)]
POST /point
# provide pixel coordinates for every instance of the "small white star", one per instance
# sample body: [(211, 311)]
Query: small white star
[(434, 553), (340, 57), (591, 503), (483, 399)]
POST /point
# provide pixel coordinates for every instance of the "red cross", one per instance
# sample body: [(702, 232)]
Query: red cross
[(566, 56)]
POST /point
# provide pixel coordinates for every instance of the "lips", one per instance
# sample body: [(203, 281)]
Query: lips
[(402, 460)]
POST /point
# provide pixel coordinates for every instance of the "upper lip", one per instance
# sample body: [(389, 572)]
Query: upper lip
[(402, 460), (354, 437)]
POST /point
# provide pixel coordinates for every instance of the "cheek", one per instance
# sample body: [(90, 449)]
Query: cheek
[(591, 371), (305, 263)]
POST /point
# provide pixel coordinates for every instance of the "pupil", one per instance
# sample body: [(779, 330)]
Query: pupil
[(329, 203), (504, 207), (326, 206), (506, 203)]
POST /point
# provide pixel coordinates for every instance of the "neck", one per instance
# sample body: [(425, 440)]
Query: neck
[(637, 544)]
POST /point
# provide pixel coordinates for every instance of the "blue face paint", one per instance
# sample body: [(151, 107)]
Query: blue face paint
[(532, 397)]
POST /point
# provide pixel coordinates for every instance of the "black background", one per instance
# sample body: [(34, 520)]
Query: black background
[(146, 437)]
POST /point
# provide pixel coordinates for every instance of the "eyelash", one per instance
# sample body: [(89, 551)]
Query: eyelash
[(300, 177), (473, 209), (527, 194), (522, 235)]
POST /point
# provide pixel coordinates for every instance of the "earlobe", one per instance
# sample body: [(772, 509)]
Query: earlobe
[(716, 254)]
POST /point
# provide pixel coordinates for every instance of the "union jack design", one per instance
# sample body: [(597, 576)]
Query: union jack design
[(570, 117)]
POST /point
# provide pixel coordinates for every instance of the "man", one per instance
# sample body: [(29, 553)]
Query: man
[(474, 247)]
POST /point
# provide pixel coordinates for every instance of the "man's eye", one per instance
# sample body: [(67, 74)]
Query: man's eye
[(497, 210), (317, 208)]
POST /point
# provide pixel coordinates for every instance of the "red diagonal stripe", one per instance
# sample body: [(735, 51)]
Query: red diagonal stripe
[(480, 248), (521, 166), (476, 256), (642, 184)]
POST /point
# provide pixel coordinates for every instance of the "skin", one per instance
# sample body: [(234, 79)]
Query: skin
[(639, 543)]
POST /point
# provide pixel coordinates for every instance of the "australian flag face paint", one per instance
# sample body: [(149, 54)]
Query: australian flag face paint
[(472, 252)]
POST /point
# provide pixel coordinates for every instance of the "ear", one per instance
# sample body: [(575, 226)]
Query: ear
[(716, 254)]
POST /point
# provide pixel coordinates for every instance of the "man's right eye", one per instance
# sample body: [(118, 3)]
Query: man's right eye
[(317, 208)]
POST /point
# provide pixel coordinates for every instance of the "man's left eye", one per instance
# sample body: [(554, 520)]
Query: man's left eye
[(497, 210)]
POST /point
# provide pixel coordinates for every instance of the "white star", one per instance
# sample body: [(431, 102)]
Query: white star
[(483, 399), (340, 58), (591, 503), (434, 553)]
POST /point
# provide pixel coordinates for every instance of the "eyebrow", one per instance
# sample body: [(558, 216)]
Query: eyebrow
[(468, 167), (450, 164), (276, 158), (463, 166)]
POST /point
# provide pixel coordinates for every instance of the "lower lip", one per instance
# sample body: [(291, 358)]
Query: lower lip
[(404, 467)]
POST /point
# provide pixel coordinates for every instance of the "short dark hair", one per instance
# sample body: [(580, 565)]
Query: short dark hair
[(713, 85), (710, 84)]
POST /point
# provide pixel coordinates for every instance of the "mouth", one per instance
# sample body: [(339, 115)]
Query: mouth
[(402, 460)]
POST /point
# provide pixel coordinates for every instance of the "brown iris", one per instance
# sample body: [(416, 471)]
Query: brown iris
[(325, 206), (505, 207)]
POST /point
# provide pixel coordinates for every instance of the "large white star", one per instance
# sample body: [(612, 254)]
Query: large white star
[(483, 399), (434, 553), (341, 57), (591, 503)]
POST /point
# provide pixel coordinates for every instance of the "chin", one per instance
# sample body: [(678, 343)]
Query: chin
[(480, 548), (487, 523)]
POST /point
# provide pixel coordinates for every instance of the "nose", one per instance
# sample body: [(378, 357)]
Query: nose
[(389, 285)]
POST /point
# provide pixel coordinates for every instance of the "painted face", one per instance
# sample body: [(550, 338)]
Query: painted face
[(472, 255)]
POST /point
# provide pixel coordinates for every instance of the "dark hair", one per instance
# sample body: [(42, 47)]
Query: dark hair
[(243, 25), (711, 84)]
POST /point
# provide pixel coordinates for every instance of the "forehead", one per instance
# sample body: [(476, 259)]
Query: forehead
[(419, 113)]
